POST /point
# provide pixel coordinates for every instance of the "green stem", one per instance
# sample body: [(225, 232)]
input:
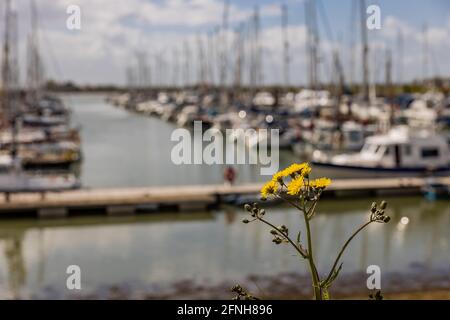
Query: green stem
[(345, 247), (312, 266), (297, 247), (310, 257)]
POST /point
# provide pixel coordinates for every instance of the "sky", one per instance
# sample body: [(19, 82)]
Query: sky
[(113, 32)]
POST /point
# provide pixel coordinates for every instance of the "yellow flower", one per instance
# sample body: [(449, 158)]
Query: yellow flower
[(302, 169), (270, 188), (296, 185), (306, 169), (320, 183), (278, 177)]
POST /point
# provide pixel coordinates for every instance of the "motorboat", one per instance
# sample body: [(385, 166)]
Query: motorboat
[(21, 181), (402, 151), (49, 155), (333, 137)]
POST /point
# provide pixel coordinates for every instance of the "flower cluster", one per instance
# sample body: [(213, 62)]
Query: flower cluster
[(255, 212), (294, 179), (377, 214)]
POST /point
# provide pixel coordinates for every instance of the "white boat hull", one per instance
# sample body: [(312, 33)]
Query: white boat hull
[(342, 171)]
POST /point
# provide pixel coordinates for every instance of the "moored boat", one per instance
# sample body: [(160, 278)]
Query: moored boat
[(402, 151)]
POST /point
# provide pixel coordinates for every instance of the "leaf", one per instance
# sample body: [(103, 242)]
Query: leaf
[(328, 282), (336, 273)]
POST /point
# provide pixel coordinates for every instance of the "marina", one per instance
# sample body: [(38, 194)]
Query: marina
[(143, 163)]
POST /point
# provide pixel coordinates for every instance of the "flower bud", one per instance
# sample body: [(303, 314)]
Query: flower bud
[(236, 288), (383, 205), (247, 207), (373, 208), (245, 221), (386, 219), (262, 212), (277, 240)]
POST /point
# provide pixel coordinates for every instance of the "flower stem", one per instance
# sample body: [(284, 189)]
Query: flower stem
[(344, 247), (312, 266), (298, 248)]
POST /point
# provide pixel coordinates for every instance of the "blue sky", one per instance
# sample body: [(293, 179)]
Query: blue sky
[(417, 12), (112, 31)]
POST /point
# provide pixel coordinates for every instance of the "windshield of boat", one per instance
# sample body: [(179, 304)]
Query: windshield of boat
[(373, 149)]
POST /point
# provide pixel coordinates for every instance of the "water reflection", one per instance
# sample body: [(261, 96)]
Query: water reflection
[(209, 247), (15, 264)]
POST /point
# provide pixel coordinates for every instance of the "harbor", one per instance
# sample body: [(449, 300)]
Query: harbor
[(135, 164)]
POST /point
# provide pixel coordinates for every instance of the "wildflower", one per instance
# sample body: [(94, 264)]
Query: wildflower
[(301, 169), (278, 177), (292, 170), (270, 188), (320, 183), (306, 170), (296, 185)]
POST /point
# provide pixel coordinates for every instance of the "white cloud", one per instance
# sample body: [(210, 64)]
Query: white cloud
[(112, 31), (391, 26)]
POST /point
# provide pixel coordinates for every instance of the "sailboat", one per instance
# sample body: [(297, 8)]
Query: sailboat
[(13, 178)]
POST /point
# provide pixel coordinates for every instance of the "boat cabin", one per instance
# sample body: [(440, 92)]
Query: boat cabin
[(406, 148)]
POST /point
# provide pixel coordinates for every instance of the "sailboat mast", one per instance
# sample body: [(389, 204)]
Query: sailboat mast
[(400, 57), (201, 62), (175, 64), (365, 52), (312, 43), (6, 67), (425, 54), (258, 52), (286, 56), (388, 73), (352, 33), (35, 70), (224, 51), (211, 60), (239, 45), (187, 58)]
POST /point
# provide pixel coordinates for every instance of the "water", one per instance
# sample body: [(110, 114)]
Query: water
[(151, 252), (127, 150)]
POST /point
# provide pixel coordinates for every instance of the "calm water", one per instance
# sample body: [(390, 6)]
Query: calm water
[(125, 149), (122, 149)]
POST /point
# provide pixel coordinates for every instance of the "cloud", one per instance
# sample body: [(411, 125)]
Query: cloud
[(113, 31), (391, 26)]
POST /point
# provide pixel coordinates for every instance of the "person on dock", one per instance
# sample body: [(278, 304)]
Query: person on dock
[(229, 175)]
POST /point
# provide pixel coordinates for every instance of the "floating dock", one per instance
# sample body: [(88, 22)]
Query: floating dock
[(181, 198)]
